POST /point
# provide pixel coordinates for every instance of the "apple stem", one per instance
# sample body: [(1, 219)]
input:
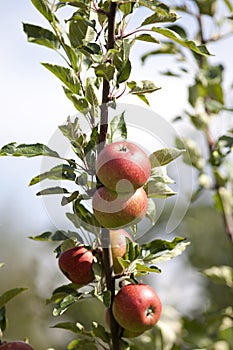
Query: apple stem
[(105, 236)]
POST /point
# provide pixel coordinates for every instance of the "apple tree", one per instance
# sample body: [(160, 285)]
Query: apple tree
[(115, 183)]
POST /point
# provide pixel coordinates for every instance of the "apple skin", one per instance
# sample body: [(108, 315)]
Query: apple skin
[(114, 211), (76, 264), (126, 333), (15, 345), (118, 240), (123, 160), (137, 307)]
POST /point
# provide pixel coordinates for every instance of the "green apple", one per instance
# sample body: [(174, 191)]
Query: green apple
[(76, 264), (136, 307), (114, 210), (123, 166)]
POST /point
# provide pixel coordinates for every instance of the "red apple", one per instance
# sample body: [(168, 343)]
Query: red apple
[(114, 210), (118, 240), (137, 307), (123, 166), (16, 345), (76, 264), (126, 333)]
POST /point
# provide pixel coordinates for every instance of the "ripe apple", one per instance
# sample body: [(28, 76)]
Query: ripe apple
[(123, 166), (116, 210), (76, 264), (126, 333), (118, 240), (16, 345), (136, 307)]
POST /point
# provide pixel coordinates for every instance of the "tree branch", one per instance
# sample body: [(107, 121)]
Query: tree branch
[(105, 237)]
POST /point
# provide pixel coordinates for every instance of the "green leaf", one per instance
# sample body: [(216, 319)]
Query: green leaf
[(85, 215), (41, 36), (159, 174), (30, 150), (118, 128), (144, 87), (164, 156), (229, 5), (126, 8), (107, 298), (64, 305), (80, 103), (77, 31), (77, 327), (144, 269), (162, 14), (178, 250), (59, 235), (123, 73), (160, 245), (59, 172), (99, 332), (66, 75), (91, 96), (143, 99), (207, 7), (52, 190), (10, 294), (83, 344), (105, 70), (151, 4), (220, 274), (156, 189), (168, 33), (43, 7), (151, 211), (71, 198), (160, 250), (148, 38)]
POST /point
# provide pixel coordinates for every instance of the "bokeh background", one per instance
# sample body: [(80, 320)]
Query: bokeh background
[(32, 106)]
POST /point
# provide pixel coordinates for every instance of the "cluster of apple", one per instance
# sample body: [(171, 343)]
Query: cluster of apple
[(16, 345), (122, 168)]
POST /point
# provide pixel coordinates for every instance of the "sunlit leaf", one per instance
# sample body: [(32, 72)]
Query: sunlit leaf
[(43, 7), (156, 189), (148, 38), (118, 128), (162, 14), (41, 36), (58, 172), (66, 75), (164, 156), (200, 49), (27, 150), (144, 87), (105, 70)]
